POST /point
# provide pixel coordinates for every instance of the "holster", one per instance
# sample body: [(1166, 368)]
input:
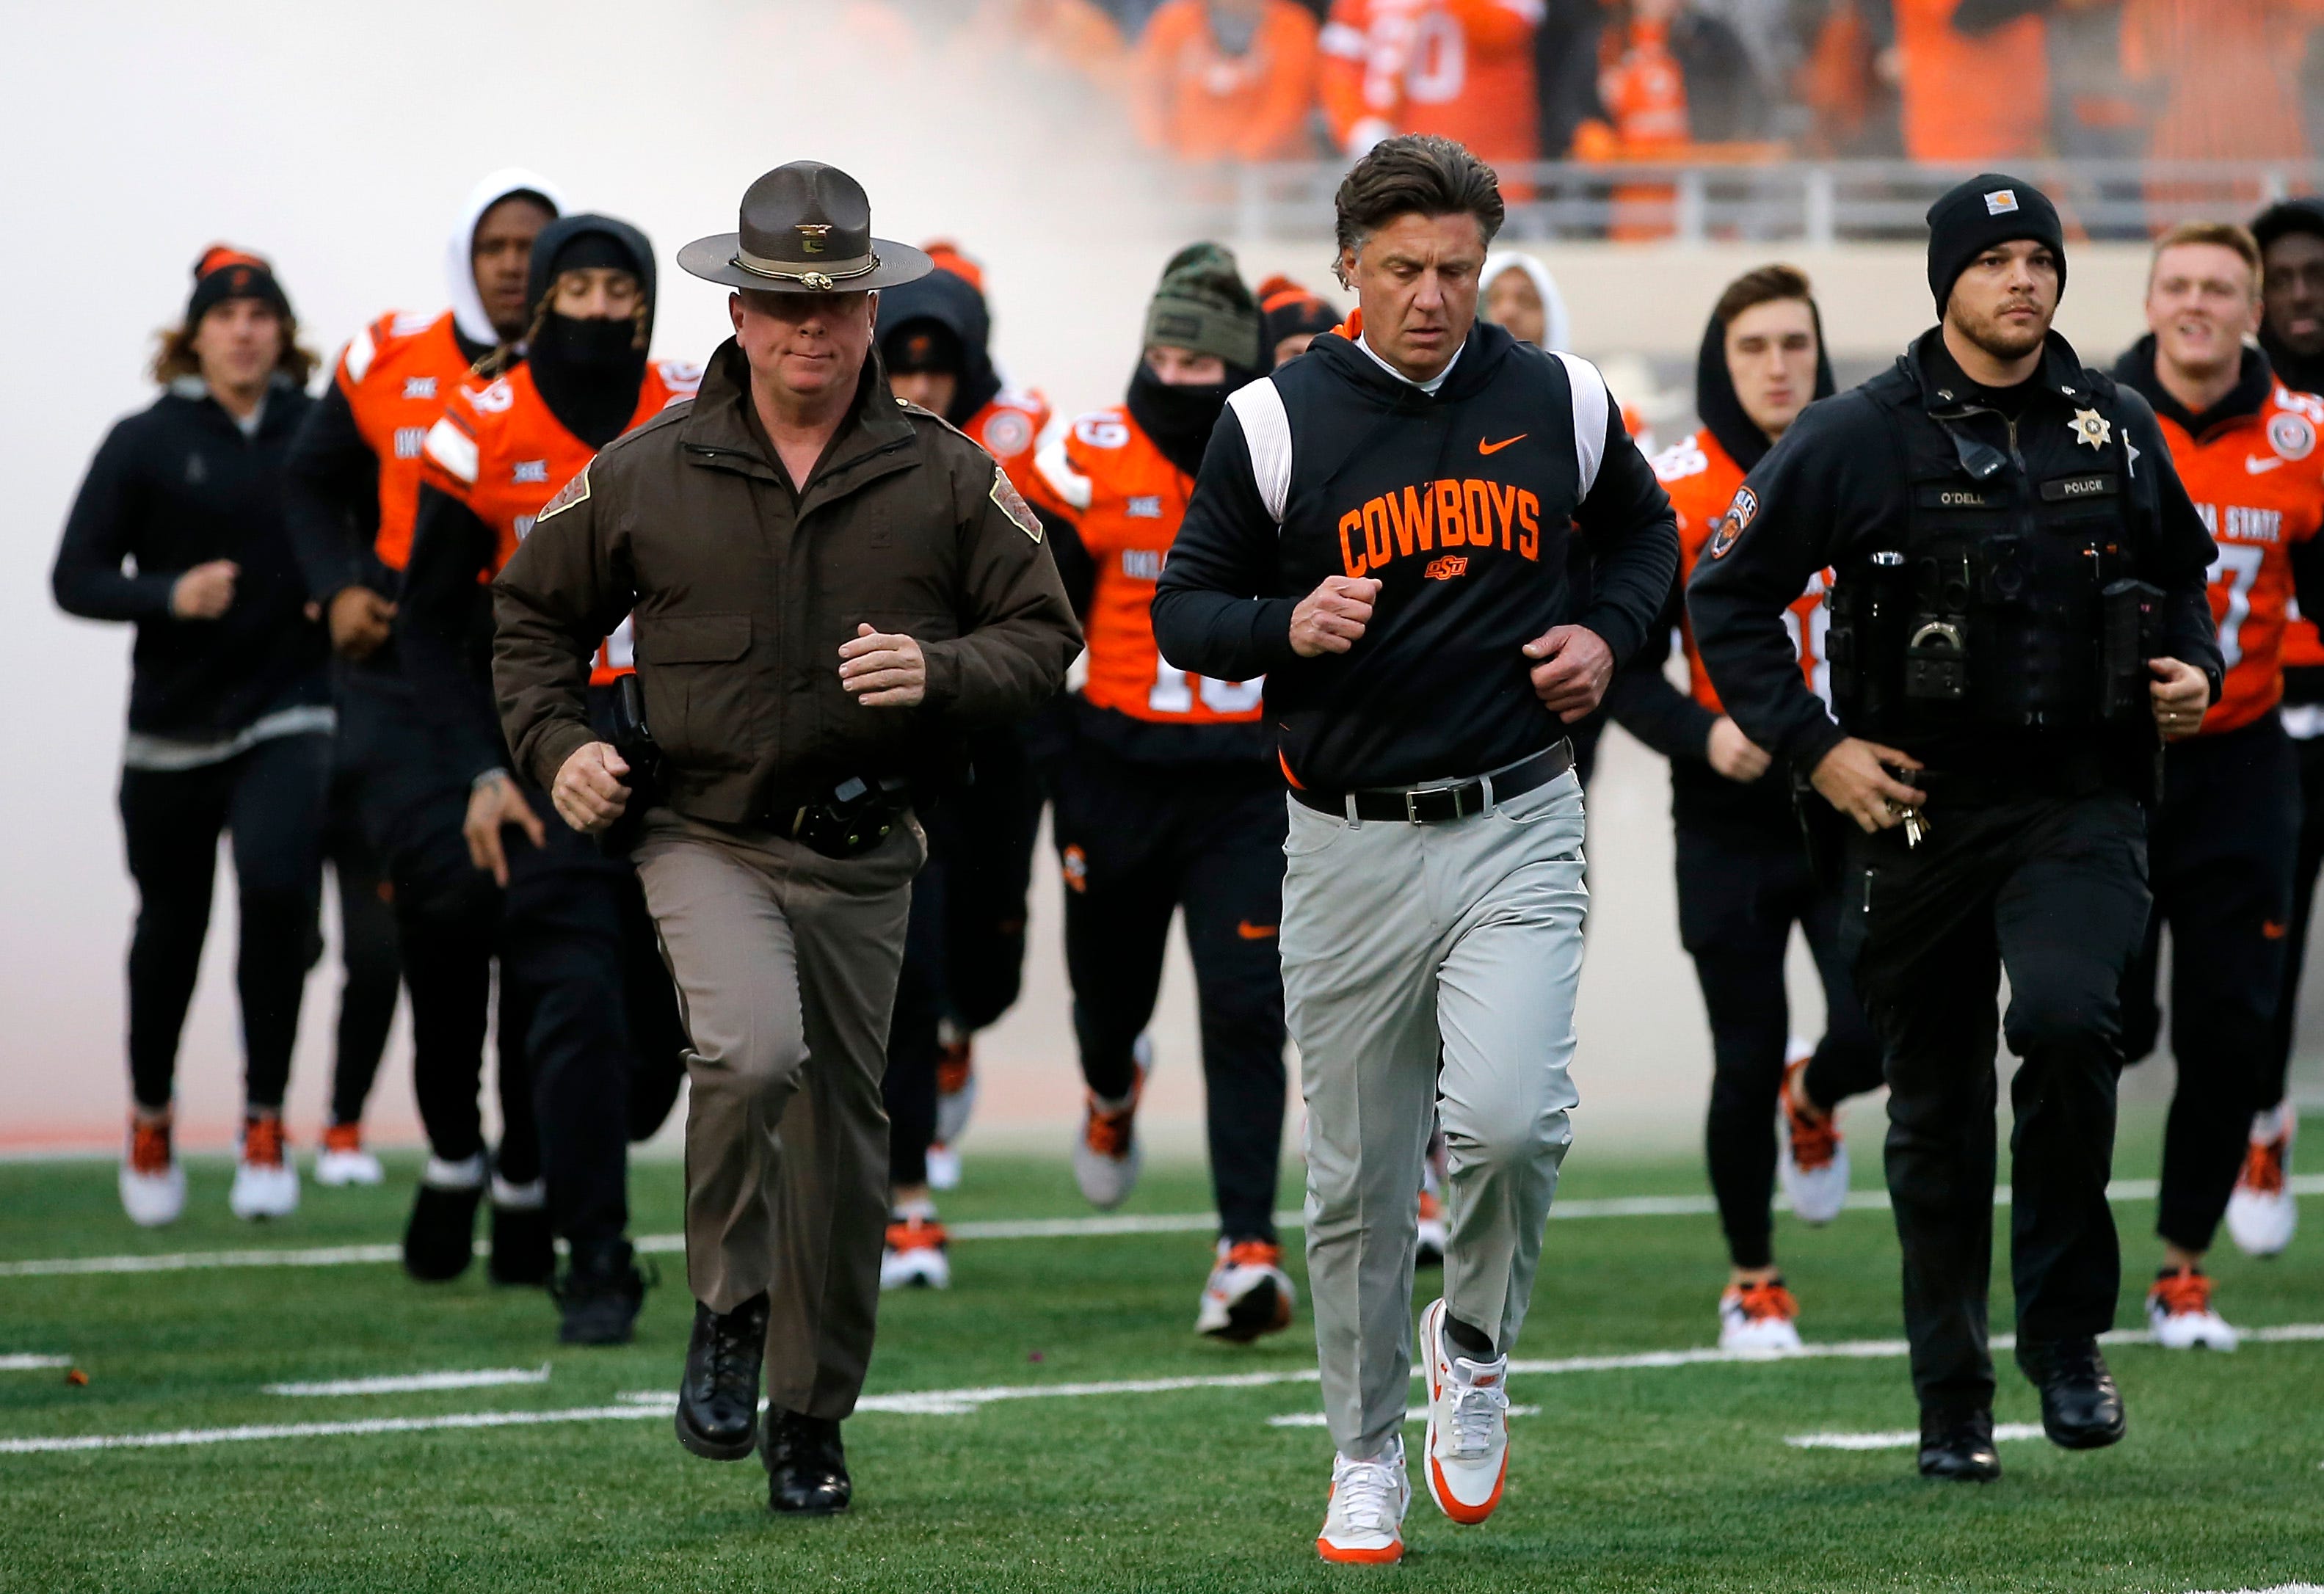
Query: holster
[(1824, 830), (649, 776)]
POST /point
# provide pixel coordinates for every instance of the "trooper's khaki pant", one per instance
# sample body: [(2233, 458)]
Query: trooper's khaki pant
[(1403, 944), (786, 964)]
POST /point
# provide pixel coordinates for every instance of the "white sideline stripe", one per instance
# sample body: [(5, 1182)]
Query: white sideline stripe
[(183, 1436), (2281, 1588), (487, 1377), (26, 1362), (1902, 1439), (1418, 1414), (1095, 1228)]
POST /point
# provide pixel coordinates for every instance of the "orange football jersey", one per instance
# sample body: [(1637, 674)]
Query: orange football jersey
[(499, 449), (397, 373), (2258, 482), (1702, 478), (1126, 500), (1010, 430), (1463, 69)]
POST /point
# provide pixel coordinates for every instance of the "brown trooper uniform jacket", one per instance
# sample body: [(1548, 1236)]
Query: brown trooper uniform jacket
[(742, 589)]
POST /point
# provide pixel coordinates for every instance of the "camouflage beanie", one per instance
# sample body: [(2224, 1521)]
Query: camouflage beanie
[(1204, 305)]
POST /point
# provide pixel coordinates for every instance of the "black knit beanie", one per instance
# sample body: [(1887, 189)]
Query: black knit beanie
[(1987, 210), (225, 272)]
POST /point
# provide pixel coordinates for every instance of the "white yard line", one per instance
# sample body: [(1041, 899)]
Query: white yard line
[(370, 1425), (1089, 1227), (1902, 1439), (487, 1377), (25, 1362), (2283, 1588), (1418, 1414)]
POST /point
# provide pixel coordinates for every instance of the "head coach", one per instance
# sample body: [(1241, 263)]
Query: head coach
[(826, 585), (1380, 529)]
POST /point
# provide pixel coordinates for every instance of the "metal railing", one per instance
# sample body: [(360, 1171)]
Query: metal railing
[(1812, 202)]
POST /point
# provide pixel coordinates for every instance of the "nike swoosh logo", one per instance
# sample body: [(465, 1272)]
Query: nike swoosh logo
[(2254, 464), (1251, 932), (1485, 448)]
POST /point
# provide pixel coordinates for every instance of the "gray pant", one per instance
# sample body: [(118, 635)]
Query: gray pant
[(786, 964), (1403, 944)]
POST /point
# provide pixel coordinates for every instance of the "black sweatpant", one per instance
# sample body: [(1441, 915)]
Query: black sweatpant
[(372, 971), (2054, 890), (964, 948), (2275, 1064), (447, 916), (1137, 843), (2220, 853), (1739, 896), (269, 801)]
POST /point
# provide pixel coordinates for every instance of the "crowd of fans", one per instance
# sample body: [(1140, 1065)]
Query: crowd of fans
[(1953, 81)]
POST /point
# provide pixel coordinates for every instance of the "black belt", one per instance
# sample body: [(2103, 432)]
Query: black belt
[(1434, 805)]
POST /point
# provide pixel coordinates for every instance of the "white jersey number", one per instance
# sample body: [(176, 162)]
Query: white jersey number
[(2238, 565), (1172, 692)]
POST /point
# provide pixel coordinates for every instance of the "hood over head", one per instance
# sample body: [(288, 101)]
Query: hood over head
[(1556, 330), (950, 301), (2302, 214), (1721, 411), (588, 371), (459, 256)]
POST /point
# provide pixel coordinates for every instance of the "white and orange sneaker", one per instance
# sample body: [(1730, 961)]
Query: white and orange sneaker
[(915, 1255), (265, 1182), (2180, 1316), (1106, 1154), (1467, 1457), (342, 1160), (2261, 1213), (1763, 1316), (1248, 1294), (1813, 1166), (1364, 1524), (152, 1180)]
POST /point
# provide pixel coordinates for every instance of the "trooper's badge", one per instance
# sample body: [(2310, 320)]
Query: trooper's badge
[(2091, 427), (566, 496), (1012, 505), (1731, 525)]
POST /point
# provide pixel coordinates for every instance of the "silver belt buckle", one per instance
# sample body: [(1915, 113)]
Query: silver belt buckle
[(1413, 795)]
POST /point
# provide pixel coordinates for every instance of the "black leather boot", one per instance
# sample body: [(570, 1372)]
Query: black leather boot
[(807, 1468), (718, 1401), (2081, 1409), (1956, 1445)]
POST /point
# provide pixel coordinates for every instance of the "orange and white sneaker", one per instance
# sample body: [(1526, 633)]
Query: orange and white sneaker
[(1428, 1247), (2261, 1212), (1364, 1524), (1758, 1317), (1249, 1294), (152, 1180), (265, 1184), (342, 1160), (2179, 1313), (1467, 1457), (915, 1255), (1813, 1166), (955, 1082), (1106, 1154)]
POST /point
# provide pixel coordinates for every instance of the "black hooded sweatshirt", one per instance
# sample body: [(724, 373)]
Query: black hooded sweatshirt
[(1461, 502), (1641, 698), (952, 303)]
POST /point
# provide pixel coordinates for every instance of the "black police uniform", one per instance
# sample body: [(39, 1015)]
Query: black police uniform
[(1975, 535)]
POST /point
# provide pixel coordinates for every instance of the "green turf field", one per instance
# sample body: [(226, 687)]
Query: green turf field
[(1670, 1478)]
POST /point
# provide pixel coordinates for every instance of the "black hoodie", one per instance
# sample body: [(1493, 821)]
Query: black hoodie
[(1642, 700), (1334, 466), (952, 303)]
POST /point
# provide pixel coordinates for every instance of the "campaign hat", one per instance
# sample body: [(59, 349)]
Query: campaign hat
[(805, 228)]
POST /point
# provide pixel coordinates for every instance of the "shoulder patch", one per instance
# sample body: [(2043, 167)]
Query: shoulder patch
[(1734, 522), (1007, 433), (574, 492), (1011, 503)]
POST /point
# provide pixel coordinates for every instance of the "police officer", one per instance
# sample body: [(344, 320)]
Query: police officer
[(2018, 609)]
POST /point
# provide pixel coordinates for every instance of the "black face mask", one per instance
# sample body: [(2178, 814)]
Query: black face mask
[(588, 372), (1180, 420)]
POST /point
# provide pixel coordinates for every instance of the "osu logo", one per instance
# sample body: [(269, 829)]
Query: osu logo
[(1447, 567), (2290, 437)]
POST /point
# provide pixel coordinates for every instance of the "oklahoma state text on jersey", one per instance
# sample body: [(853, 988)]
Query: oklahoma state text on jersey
[(397, 373), (2258, 479), (1701, 478), (1125, 499), (500, 450)]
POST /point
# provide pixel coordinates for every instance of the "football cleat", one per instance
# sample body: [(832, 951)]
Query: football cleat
[(915, 1255), (955, 1082), (1249, 1294), (944, 1168), (2261, 1212), (1758, 1317), (1107, 1155), (2180, 1313), (265, 1182), (1365, 1522), (1813, 1166), (152, 1180), (1428, 1248), (1467, 1457), (342, 1160)]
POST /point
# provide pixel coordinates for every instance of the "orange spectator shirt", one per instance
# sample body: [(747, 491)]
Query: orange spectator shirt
[(2259, 482), (500, 450), (1644, 92), (1463, 69), (1701, 478), (1201, 104), (1971, 98), (396, 373), (1126, 500)]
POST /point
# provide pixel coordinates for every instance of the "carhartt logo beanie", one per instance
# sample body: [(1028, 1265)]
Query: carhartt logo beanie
[(1987, 210)]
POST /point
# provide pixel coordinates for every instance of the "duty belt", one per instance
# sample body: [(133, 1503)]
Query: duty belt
[(1434, 805)]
